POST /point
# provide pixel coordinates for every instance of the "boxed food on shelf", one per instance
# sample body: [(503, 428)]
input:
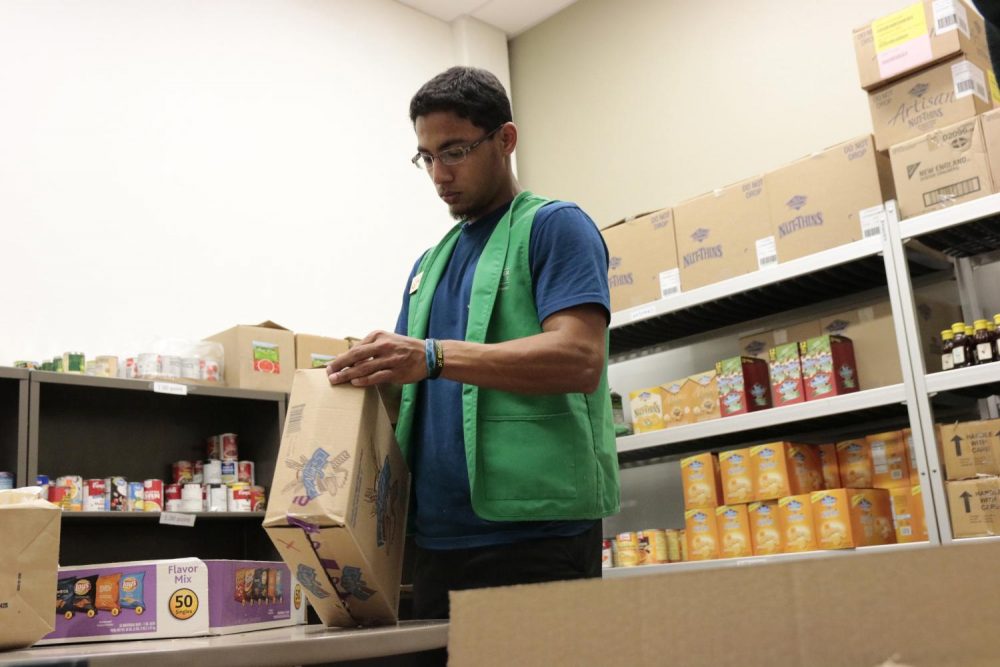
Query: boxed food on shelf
[(701, 482), (848, 518), (723, 234), (643, 259), (829, 198), (890, 460), (912, 455), (784, 469), (736, 476), (970, 449), (734, 531), (743, 384), (702, 532), (928, 100), (757, 345), (944, 167), (766, 533), (991, 135), (647, 409), (703, 396), (676, 403), (916, 36), (974, 506), (908, 514), (828, 464), (261, 356), (828, 367), (337, 511), (854, 458), (29, 560), (786, 375), (795, 516), (183, 597), (316, 351)]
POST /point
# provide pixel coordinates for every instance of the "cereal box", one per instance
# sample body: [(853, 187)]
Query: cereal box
[(743, 385), (855, 460), (908, 514), (781, 469), (647, 409), (890, 460), (828, 367), (786, 375), (734, 531), (766, 533), (737, 481), (796, 518), (847, 518), (702, 532), (700, 481), (828, 464)]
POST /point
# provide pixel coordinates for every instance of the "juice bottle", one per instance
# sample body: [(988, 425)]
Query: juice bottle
[(959, 351), (984, 343), (996, 336), (947, 350)]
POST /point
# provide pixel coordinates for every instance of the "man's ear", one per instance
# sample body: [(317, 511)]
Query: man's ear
[(508, 137)]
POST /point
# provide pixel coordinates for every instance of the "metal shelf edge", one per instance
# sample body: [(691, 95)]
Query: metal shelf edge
[(11, 373), (950, 217), (963, 378), (147, 385), (80, 516)]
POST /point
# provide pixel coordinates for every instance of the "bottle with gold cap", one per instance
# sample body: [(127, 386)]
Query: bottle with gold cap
[(947, 350), (960, 352), (996, 336), (984, 345)]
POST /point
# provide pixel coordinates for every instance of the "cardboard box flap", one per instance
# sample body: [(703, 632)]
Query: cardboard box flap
[(296, 549), (268, 324), (630, 218)]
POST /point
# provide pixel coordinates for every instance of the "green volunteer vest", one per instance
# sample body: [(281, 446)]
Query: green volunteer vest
[(547, 457)]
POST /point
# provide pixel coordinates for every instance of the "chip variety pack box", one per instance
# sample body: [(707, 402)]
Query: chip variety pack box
[(828, 367), (743, 385), (786, 375)]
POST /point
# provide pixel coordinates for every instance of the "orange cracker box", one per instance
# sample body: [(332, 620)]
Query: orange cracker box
[(737, 482), (704, 396), (908, 514), (796, 518), (647, 409), (855, 460), (676, 411), (829, 466), (912, 456), (734, 531), (782, 469), (890, 460), (700, 481), (765, 528), (702, 533), (848, 518)]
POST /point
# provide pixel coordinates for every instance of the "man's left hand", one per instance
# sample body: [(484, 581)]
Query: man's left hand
[(379, 358)]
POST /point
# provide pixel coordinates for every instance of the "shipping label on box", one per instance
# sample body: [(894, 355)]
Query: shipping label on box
[(702, 534), (970, 449), (890, 460), (701, 482), (317, 351), (744, 385), (942, 168), (818, 202), (703, 396), (734, 531), (643, 260), (786, 375), (338, 502), (908, 514), (829, 466), (737, 479), (928, 100), (766, 533), (828, 367), (796, 518), (913, 37), (647, 409), (974, 506), (717, 233), (258, 357)]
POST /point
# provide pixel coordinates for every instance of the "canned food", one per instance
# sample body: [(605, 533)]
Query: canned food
[(211, 370), (240, 498), (191, 491), (130, 371), (172, 492), (183, 472), (190, 505), (190, 368), (136, 493), (147, 365), (229, 472), (60, 495), (152, 495), (29, 365), (73, 500), (57, 364), (244, 472), (257, 499), (91, 368), (6, 480), (116, 498), (43, 482), (682, 538), (628, 549), (74, 362), (213, 448), (107, 366), (673, 545), (174, 505), (213, 472), (607, 559), (230, 447), (169, 366), (217, 500), (653, 547)]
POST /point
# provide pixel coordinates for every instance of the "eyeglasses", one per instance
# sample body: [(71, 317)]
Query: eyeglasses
[(451, 156)]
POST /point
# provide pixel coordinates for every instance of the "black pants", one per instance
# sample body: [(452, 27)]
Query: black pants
[(435, 573)]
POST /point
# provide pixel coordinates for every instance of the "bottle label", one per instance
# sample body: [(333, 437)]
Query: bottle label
[(948, 361), (984, 352), (958, 355)]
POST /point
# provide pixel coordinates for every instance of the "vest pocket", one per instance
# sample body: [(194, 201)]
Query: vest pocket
[(530, 457)]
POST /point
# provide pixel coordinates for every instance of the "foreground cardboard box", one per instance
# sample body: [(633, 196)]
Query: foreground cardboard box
[(337, 510), (316, 351), (718, 234), (258, 356), (29, 554), (930, 99), (942, 168), (920, 34), (643, 259), (947, 618), (820, 201)]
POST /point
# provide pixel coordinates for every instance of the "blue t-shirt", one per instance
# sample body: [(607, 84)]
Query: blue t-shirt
[(569, 267)]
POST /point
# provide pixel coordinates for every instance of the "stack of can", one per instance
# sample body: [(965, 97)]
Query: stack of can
[(6, 480), (222, 480), (653, 546), (73, 493)]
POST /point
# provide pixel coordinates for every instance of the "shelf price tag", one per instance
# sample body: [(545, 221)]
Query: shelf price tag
[(170, 388), (177, 519), (641, 313)]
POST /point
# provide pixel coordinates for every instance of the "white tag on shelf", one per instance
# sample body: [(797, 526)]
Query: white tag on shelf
[(969, 80), (767, 252), (872, 220), (170, 388), (640, 313), (670, 282), (950, 15), (177, 519)]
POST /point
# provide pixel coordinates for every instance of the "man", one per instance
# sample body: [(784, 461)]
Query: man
[(501, 348)]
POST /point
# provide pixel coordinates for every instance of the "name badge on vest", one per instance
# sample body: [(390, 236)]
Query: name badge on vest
[(415, 283)]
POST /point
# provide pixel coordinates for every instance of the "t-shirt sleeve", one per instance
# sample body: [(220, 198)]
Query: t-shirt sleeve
[(404, 311), (569, 260)]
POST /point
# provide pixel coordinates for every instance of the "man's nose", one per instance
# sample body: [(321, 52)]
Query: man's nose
[(440, 172)]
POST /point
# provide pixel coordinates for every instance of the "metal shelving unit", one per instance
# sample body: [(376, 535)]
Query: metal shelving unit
[(14, 422), (975, 381), (154, 517)]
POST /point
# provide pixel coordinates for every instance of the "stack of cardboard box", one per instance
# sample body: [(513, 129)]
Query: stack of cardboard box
[(928, 75), (971, 454)]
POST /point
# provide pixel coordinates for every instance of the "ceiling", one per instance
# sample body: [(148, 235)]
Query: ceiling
[(511, 16)]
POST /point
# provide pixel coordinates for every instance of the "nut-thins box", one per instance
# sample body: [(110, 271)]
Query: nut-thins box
[(337, 510), (643, 259)]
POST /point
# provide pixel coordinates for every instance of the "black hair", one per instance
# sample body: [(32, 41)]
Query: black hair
[(469, 92)]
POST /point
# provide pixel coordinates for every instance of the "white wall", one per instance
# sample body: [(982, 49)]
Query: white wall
[(174, 168)]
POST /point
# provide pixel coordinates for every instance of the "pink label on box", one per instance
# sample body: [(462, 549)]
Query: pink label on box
[(908, 55)]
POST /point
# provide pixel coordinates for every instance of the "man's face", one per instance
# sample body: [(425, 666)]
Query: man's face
[(472, 187)]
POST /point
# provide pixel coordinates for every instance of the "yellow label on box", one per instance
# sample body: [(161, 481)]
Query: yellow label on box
[(900, 27), (994, 88)]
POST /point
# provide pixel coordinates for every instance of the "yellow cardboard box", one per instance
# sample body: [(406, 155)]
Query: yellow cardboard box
[(783, 469), (737, 479), (703, 396), (908, 514), (828, 464), (647, 409), (702, 534), (734, 531), (848, 518), (700, 481), (890, 460), (766, 532), (796, 518)]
